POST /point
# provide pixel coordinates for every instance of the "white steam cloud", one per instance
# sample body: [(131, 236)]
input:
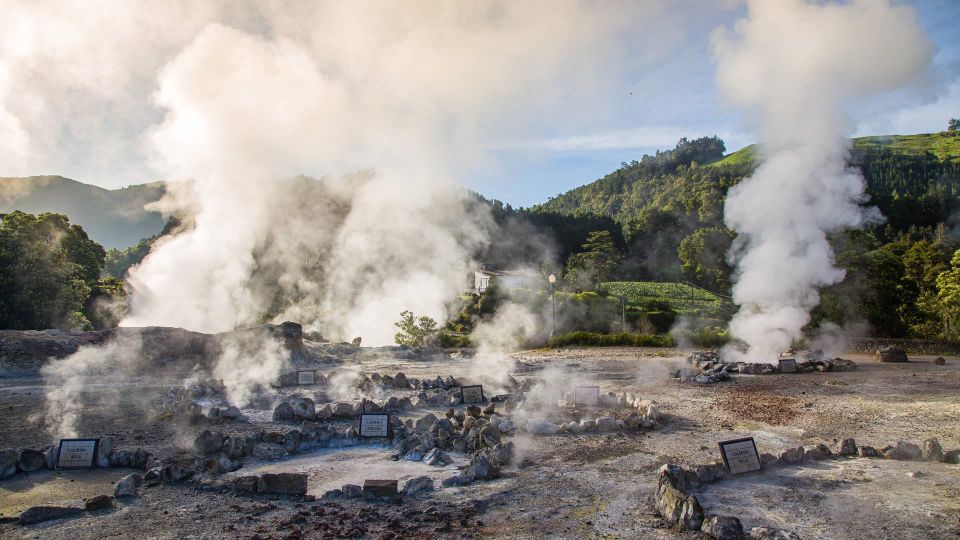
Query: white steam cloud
[(793, 65)]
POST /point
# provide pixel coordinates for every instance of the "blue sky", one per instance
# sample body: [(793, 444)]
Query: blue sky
[(681, 99)]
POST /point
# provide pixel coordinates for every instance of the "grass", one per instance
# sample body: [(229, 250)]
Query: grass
[(945, 145), (594, 339), (682, 298)]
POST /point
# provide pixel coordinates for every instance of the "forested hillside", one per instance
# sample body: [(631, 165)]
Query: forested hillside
[(670, 210)]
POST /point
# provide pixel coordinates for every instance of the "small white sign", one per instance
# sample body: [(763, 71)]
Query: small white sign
[(788, 365), (306, 377), (471, 394), (740, 455), (374, 425), (77, 453), (587, 396)]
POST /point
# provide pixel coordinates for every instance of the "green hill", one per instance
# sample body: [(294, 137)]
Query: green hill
[(115, 218)]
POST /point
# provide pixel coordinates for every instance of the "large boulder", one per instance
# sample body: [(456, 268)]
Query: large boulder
[(208, 443), (421, 484), (283, 412), (8, 462), (722, 528), (31, 460), (303, 408), (893, 353), (283, 483), (128, 485)]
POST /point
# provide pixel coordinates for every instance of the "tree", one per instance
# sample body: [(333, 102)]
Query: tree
[(414, 331), (703, 258), (948, 297), (953, 124), (47, 271), (599, 259)]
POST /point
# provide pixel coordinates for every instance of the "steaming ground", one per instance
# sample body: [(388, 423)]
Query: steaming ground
[(590, 485)]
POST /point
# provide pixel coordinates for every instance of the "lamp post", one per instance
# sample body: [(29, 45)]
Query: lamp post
[(553, 302)]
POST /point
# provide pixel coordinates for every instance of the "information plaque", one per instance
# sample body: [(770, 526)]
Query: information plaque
[(788, 365), (374, 425), (471, 394), (77, 453), (740, 455), (306, 377), (587, 396)]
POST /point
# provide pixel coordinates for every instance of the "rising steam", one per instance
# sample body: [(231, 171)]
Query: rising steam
[(793, 65)]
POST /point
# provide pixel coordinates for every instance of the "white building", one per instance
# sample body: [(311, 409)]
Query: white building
[(505, 279)]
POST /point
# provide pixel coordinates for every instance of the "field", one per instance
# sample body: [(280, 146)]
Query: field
[(683, 298)]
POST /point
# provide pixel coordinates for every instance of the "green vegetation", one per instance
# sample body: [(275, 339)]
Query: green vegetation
[(610, 340), (414, 331), (680, 297), (119, 261), (49, 273)]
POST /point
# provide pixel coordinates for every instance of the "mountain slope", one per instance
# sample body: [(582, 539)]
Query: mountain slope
[(114, 218)]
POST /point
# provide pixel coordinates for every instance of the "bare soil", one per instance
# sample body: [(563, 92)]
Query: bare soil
[(565, 486)]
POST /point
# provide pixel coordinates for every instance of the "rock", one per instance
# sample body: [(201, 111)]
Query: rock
[(213, 413), (710, 473), (413, 455), (231, 413), (176, 473), (791, 456), (380, 488), (225, 463), (437, 457), (325, 412), (283, 483), (104, 449), (128, 485), (825, 449), (723, 528), (951, 456), (932, 450), (425, 422), (502, 454), (867, 451), (767, 460), (38, 514), (909, 450), (343, 410), (420, 484), (587, 425), (303, 408), (474, 411), (52, 453), (691, 518), (607, 423), (246, 484), (677, 507), (893, 353), (284, 412), (481, 468), (98, 502), (767, 533), (234, 448), (540, 426), (814, 454), (291, 441), (208, 443), (848, 447), (940, 361), (351, 491), (506, 427), (152, 477), (916, 474), (32, 460), (268, 450)]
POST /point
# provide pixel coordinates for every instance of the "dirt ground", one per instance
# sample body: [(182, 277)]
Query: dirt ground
[(566, 486)]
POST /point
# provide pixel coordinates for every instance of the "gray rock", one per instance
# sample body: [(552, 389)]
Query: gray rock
[(351, 491), (848, 447), (814, 454), (343, 410), (940, 361), (231, 413), (52, 453), (283, 413), (421, 484), (607, 424), (723, 528), (268, 450), (152, 477), (175, 473), (867, 451), (32, 460), (909, 450), (104, 449), (932, 450), (98, 502), (893, 353), (246, 484), (425, 423), (234, 447), (767, 533), (541, 426), (38, 514), (767, 460), (791, 456), (291, 441), (128, 485), (437, 457), (413, 455), (283, 483), (208, 443), (951, 456)]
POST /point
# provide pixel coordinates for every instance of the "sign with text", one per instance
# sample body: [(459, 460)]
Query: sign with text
[(788, 365), (306, 377), (740, 455), (471, 394), (587, 396), (374, 425), (77, 453)]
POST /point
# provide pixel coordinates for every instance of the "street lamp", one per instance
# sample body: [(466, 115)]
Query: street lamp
[(553, 301)]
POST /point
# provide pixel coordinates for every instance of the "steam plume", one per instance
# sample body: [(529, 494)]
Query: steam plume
[(792, 65)]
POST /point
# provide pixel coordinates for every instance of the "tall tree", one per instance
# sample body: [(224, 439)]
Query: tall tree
[(599, 260)]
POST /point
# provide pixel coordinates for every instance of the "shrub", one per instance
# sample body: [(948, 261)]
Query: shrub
[(414, 331), (610, 340)]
